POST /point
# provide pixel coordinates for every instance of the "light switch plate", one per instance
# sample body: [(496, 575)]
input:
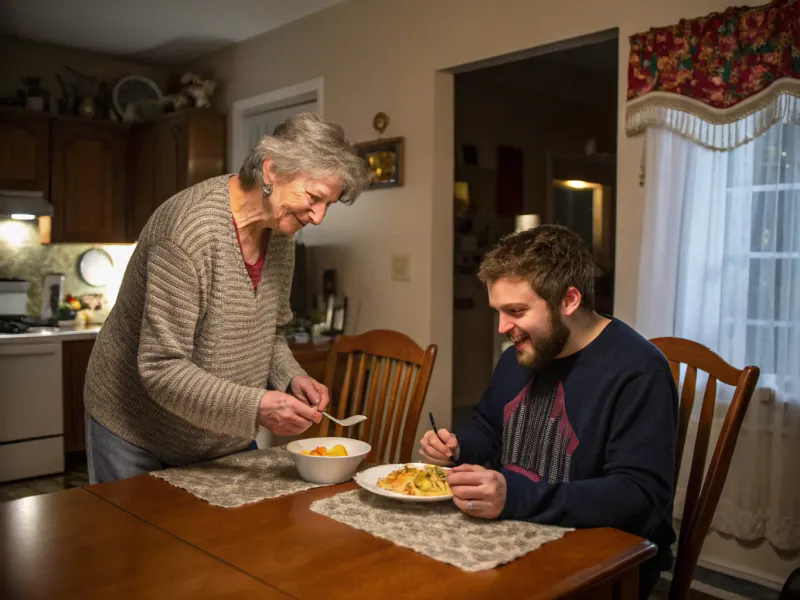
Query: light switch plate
[(401, 268)]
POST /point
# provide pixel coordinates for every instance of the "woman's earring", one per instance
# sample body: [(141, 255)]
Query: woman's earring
[(266, 188)]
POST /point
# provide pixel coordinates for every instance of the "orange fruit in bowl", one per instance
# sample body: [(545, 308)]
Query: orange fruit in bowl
[(337, 450)]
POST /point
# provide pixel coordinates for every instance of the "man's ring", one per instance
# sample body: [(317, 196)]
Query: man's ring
[(469, 505)]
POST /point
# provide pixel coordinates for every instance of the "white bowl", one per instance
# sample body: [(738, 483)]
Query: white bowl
[(328, 469)]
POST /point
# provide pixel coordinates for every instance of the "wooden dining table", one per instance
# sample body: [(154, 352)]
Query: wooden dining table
[(143, 538)]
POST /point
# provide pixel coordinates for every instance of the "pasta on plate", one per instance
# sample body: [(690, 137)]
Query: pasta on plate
[(413, 481)]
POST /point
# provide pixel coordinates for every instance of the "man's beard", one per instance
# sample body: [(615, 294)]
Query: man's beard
[(545, 348)]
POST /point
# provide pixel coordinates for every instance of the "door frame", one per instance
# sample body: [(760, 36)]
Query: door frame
[(306, 91)]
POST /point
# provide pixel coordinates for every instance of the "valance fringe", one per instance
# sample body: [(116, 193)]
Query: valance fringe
[(716, 129)]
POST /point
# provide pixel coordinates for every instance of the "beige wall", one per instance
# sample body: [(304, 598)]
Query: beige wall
[(24, 58), (384, 55)]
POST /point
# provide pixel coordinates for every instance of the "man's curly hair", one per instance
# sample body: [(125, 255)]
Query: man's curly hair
[(551, 258)]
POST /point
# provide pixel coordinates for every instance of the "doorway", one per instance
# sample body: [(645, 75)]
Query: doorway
[(532, 145), (254, 117)]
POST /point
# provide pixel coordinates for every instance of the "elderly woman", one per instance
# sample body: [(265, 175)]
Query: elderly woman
[(189, 362)]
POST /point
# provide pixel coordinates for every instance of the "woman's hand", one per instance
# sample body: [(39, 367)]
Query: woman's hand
[(283, 414), (310, 391)]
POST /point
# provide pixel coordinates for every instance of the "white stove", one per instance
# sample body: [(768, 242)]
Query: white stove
[(31, 405)]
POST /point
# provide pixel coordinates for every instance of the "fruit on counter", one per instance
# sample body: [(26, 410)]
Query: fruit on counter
[(337, 450), (73, 302)]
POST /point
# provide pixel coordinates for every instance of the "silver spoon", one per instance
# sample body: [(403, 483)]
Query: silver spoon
[(348, 421)]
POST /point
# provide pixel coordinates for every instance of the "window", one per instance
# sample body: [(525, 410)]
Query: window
[(720, 265), (770, 193)]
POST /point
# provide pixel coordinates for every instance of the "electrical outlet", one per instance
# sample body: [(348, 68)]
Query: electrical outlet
[(401, 268)]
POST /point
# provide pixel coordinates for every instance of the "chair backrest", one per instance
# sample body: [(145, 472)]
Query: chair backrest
[(386, 376), (702, 493)]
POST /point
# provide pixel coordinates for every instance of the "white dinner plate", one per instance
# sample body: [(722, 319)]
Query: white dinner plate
[(368, 479)]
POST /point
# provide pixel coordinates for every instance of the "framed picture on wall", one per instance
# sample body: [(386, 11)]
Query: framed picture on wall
[(385, 159)]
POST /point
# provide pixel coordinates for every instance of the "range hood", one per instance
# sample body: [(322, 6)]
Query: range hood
[(19, 204)]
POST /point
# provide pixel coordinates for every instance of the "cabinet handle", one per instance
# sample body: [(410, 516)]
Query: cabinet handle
[(28, 350)]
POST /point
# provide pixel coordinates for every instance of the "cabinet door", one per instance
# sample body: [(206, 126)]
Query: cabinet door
[(141, 144), (169, 159), (24, 151), (205, 146), (76, 360), (87, 180)]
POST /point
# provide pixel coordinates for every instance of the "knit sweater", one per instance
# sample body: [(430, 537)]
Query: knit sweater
[(186, 353), (586, 441)]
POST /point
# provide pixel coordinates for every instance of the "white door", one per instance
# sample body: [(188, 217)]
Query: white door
[(255, 123), (262, 122)]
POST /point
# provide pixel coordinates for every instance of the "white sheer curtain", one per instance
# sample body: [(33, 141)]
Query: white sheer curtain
[(720, 265)]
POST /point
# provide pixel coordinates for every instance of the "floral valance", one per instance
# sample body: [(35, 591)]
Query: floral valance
[(719, 80)]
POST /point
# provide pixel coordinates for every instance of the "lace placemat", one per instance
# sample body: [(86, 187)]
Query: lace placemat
[(438, 530), (239, 478)]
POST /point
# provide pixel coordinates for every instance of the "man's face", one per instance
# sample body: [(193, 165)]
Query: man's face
[(538, 333)]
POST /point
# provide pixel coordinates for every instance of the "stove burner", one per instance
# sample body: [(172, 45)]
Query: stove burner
[(15, 325), (12, 327)]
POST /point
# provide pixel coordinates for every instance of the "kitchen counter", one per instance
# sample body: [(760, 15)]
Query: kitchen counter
[(60, 334)]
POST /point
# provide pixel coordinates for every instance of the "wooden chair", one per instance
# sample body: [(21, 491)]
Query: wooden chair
[(702, 493), (386, 378)]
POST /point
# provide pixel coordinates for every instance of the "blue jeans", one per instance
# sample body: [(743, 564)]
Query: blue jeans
[(109, 457)]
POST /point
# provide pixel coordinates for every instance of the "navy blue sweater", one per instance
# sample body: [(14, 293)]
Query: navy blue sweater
[(587, 441)]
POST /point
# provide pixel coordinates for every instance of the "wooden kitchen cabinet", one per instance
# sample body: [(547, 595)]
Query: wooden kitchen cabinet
[(75, 356), (87, 181), (24, 150), (106, 179), (312, 359), (168, 155)]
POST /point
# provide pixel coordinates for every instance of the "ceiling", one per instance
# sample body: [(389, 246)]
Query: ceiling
[(585, 75), (163, 32)]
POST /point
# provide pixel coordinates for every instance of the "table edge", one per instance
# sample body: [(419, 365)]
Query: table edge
[(183, 541), (608, 569)]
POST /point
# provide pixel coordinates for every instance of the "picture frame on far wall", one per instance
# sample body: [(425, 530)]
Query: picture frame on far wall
[(386, 161)]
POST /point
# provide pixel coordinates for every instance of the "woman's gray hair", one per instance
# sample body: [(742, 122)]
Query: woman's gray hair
[(306, 144)]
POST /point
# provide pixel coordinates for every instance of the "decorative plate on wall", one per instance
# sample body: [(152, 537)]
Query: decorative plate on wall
[(96, 267), (134, 90)]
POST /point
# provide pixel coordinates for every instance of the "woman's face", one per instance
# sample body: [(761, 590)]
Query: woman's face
[(302, 200)]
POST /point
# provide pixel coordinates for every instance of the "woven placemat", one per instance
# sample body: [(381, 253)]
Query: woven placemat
[(438, 530), (239, 478)]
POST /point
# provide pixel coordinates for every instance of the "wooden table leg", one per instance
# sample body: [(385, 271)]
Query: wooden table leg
[(627, 587), (623, 587)]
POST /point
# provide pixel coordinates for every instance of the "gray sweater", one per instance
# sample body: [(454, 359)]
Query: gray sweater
[(188, 349)]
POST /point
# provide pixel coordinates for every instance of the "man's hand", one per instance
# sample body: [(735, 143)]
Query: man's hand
[(439, 449), (310, 391), (283, 414), (477, 491)]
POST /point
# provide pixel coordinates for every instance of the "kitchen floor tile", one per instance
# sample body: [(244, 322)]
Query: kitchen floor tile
[(6, 495), (45, 485), (75, 476)]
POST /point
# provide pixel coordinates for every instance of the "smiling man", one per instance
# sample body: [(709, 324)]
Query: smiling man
[(577, 425)]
